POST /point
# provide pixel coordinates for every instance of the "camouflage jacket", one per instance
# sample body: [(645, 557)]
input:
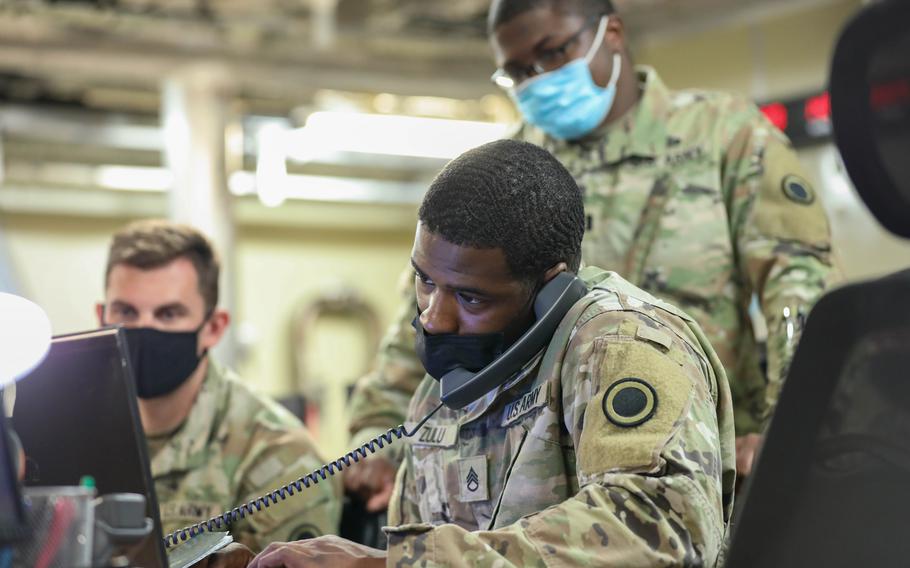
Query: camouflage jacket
[(381, 397), (613, 447), (235, 446), (695, 197)]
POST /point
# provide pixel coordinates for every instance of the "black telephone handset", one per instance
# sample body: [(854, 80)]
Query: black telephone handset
[(459, 388)]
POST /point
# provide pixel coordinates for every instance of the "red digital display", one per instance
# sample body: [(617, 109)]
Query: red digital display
[(777, 114), (818, 108), (805, 120)]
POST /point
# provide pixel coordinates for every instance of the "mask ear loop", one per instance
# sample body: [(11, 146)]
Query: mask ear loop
[(614, 76), (598, 41), (208, 316), (598, 38)]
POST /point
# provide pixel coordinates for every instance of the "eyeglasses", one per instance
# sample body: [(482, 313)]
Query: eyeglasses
[(512, 75)]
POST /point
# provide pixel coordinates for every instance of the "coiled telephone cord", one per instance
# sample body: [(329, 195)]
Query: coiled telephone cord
[(226, 519)]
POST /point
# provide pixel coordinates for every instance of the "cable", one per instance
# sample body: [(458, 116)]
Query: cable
[(64, 510), (248, 509)]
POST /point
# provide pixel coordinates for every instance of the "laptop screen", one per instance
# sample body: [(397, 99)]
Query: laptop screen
[(76, 415)]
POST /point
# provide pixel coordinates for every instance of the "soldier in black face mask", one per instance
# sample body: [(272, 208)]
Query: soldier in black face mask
[(200, 421), (606, 441), (162, 286)]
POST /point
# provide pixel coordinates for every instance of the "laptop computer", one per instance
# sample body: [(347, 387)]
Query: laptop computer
[(76, 415)]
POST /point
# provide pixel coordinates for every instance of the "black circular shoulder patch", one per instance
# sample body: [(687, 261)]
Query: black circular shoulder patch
[(797, 189), (629, 402)]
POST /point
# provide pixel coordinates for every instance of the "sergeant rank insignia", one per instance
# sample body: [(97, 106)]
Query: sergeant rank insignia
[(629, 402), (472, 481), (473, 474)]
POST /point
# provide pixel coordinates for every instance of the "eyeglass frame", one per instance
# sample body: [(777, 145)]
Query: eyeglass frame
[(536, 67)]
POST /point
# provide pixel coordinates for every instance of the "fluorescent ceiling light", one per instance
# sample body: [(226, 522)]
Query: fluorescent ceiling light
[(389, 134), (132, 178), (334, 189), (271, 165)]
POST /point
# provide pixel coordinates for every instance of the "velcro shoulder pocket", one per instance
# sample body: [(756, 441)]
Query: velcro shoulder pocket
[(644, 393)]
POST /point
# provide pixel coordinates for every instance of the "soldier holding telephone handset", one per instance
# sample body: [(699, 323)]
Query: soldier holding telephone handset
[(578, 419)]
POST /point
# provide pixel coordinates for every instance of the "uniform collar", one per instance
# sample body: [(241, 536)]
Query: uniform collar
[(185, 448), (641, 132), (480, 406)]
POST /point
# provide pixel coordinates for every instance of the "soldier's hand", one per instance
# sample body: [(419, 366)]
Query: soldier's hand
[(329, 550), (234, 555), (373, 480), (746, 448)]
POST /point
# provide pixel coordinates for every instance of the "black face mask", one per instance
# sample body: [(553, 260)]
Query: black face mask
[(162, 360), (444, 352)]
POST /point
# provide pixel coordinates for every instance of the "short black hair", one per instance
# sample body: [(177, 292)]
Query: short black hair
[(513, 196), (502, 11)]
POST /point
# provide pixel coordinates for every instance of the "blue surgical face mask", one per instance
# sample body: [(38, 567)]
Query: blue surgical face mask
[(566, 103)]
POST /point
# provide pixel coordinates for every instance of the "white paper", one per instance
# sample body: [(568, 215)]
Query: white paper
[(195, 549)]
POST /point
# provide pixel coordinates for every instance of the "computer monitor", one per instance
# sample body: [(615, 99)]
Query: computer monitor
[(76, 415), (12, 515)]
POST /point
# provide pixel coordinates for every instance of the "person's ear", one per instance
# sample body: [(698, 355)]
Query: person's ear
[(615, 38), (214, 329), (554, 270), (99, 313)]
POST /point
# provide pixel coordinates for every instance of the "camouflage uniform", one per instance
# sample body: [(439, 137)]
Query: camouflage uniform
[(695, 197), (381, 397), (555, 468), (235, 446)]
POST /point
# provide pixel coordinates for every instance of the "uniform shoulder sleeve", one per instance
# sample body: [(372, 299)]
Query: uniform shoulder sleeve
[(783, 243)]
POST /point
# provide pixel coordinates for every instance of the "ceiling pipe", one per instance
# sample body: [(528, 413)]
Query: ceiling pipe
[(324, 23)]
